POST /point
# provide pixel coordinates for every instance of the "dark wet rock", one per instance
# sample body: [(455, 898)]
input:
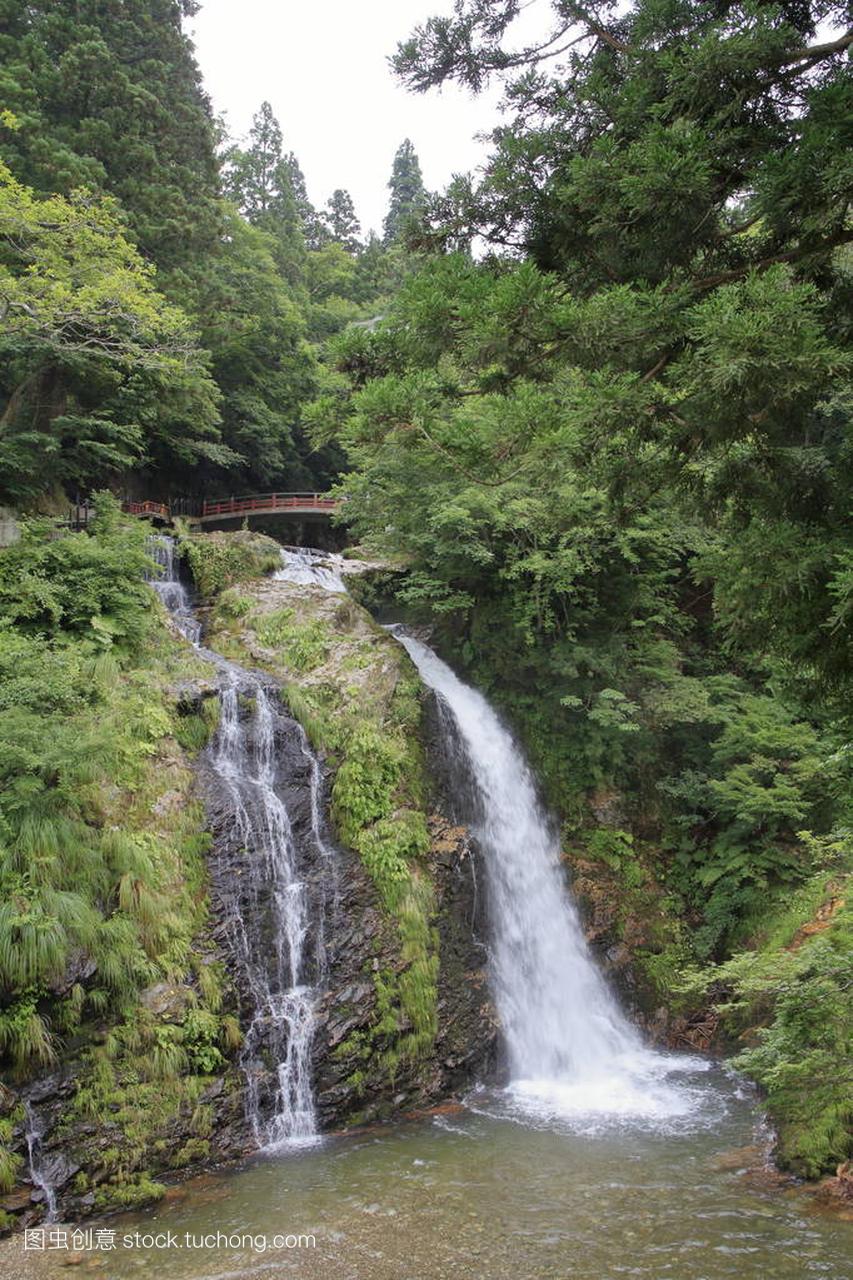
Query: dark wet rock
[(16, 1200), (79, 968), (58, 1168), (57, 1085), (352, 1087), (608, 807)]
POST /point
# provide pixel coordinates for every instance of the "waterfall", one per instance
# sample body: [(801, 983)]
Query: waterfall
[(570, 1049), (169, 588), (308, 565), (268, 909), (39, 1175), (267, 913)]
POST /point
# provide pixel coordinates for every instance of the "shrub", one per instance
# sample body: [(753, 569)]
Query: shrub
[(220, 561)]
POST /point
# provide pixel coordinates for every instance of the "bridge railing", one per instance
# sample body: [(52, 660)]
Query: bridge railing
[(146, 508), (268, 502), (82, 513), (199, 508)]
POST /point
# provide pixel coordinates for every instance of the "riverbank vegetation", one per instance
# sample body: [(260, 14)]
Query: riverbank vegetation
[(106, 978)]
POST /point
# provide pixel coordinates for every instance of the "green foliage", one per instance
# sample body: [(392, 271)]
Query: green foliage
[(109, 206), (408, 195), (201, 1034), (303, 645), (70, 69), (255, 330), (193, 731), (96, 899), (233, 604), (260, 179), (389, 845), (218, 562), (341, 220), (611, 845), (800, 999), (128, 1191), (88, 587), (10, 1164), (24, 1035), (84, 324), (686, 276), (764, 775), (366, 782), (193, 1149)]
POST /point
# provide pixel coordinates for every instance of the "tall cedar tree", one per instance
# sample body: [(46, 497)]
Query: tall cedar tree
[(108, 96), (408, 194), (340, 218), (679, 175)]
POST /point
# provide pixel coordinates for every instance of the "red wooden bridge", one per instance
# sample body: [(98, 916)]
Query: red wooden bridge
[(209, 510), (287, 504)]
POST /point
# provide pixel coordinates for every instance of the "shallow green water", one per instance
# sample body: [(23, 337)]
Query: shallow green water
[(478, 1194)]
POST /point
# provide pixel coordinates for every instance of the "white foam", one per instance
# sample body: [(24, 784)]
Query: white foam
[(307, 565)]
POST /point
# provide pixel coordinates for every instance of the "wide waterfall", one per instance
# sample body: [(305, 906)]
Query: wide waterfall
[(308, 565), (570, 1049), (273, 923)]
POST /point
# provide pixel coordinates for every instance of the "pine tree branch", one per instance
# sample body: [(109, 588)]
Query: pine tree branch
[(792, 255), (817, 52)]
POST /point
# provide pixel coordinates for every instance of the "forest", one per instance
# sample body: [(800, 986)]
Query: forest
[(591, 411)]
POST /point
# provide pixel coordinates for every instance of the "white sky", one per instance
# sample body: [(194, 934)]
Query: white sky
[(322, 65)]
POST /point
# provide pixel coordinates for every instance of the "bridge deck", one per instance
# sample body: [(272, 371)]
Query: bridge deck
[(290, 504), (207, 511)]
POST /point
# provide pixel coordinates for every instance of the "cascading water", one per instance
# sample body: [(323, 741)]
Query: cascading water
[(267, 906), (570, 1050), (308, 565), (267, 915), (39, 1175), (169, 587)]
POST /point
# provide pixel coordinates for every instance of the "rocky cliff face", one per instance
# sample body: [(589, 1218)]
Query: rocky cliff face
[(354, 1082), (353, 1086), (404, 1019)]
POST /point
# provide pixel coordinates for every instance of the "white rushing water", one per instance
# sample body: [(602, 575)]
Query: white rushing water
[(571, 1052), (266, 908), (39, 1175), (169, 587), (308, 565), (268, 915)]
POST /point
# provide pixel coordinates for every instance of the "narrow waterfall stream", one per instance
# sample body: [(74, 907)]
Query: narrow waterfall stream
[(39, 1175), (266, 915), (274, 935)]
